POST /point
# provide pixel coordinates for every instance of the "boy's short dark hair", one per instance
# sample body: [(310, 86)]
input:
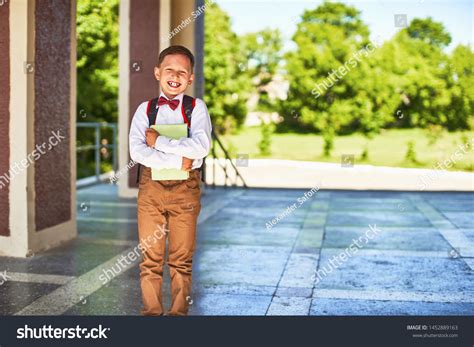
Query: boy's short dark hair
[(176, 49)]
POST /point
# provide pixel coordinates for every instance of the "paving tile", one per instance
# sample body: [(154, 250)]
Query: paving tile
[(396, 205), (345, 307), (275, 192), (419, 239), (289, 306), (315, 219), (384, 272), (277, 236), (299, 270), (469, 232), (119, 296), (257, 212), (91, 210), (366, 194), (258, 223), (241, 268), (455, 205), (229, 305), (309, 240), (16, 295), (294, 292), (236, 289), (120, 231), (393, 295), (72, 259), (378, 218), (461, 219), (247, 265), (448, 196)]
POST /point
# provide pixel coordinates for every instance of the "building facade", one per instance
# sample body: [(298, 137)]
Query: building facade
[(38, 106)]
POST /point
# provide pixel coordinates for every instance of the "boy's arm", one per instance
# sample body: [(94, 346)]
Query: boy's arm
[(141, 153), (196, 146)]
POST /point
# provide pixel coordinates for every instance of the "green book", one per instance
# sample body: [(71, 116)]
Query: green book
[(173, 131)]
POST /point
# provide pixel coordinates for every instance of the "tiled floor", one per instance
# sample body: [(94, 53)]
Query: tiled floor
[(318, 260)]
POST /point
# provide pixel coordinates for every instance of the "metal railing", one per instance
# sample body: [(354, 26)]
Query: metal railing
[(216, 144), (97, 146), (224, 166)]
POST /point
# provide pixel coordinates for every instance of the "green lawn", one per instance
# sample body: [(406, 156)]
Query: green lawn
[(386, 149)]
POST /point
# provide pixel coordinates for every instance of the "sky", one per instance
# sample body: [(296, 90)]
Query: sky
[(254, 15)]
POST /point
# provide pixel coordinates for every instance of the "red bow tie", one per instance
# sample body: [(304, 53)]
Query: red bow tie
[(173, 104)]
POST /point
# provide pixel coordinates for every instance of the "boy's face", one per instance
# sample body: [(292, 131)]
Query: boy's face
[(175, 74)]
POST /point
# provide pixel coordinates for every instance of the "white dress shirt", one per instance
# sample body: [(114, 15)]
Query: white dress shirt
[(169, 153)]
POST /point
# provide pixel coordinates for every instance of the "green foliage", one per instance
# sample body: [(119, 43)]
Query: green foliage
[(97, 76), (265, 142), (226, 88), (434, 88), (410, 155), (459, 73), (434, 133), (388, 148), (407, 82), (97, 60), (326, 39), (424, 93), (262, 51), (429, 31), (365, 154)]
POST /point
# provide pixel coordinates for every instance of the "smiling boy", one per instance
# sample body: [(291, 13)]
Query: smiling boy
[(173, 205)]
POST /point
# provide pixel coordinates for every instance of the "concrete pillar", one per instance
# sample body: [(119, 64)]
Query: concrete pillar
[(145, 28), (191, 36), (138, 53), (199, 50), (37, 125)]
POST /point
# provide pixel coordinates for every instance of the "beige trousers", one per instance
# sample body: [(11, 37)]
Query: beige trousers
[(167, 210)]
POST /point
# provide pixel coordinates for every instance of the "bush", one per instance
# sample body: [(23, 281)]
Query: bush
[(265, 142), (410, 155), (434, 132), (365, 154)]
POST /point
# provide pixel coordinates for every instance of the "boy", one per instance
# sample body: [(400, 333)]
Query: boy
[(172, 203)]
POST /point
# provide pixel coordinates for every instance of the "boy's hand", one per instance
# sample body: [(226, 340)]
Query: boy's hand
[(151, 136), (187, 164)]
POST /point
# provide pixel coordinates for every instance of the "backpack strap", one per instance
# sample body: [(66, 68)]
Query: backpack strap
[(151, 112), (187, 111)]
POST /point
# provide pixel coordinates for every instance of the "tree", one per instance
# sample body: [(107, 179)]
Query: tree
[(425, 96), (431, 32), (263, 56), (326, 39), (97, 74), (97, 60), (226, 88), (460, 77), (409, 81)]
